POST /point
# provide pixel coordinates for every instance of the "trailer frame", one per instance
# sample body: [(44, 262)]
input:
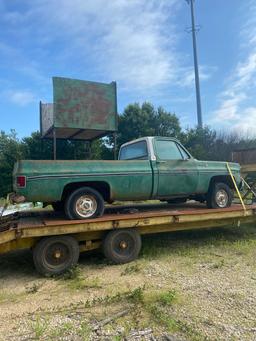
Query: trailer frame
[(24, 231)]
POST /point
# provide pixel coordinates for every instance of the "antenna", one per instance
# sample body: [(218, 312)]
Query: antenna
[(195, 29)]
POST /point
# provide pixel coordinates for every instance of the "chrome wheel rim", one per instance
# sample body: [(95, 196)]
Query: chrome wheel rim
[(221, 198), (86, 206)]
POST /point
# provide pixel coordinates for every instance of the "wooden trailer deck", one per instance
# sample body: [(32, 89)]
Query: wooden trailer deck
[(25, 230)]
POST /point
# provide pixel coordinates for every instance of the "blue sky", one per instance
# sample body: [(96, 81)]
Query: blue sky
[(142, 44)]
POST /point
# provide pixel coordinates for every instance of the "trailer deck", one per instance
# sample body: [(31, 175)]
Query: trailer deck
[(25, 230)]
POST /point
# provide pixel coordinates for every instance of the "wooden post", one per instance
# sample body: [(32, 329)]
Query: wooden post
[(54, 144), (115, 147)]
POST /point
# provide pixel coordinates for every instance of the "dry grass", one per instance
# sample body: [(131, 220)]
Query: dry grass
[(196, 285)]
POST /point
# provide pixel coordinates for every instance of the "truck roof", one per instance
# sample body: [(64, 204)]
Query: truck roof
[(149, 138)]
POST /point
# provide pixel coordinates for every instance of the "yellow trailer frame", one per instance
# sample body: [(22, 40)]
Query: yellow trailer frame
[(24, 232)]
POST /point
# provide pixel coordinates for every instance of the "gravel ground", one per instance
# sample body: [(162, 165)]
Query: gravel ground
[(198, 285)]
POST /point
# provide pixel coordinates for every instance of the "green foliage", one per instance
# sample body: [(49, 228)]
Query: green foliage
[(136, 295), (167, 298), (10, 151), (136, 121), (131, 269), (145, 120)]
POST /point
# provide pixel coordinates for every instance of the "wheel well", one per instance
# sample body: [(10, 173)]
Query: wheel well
[(226, 179), (102, 187)]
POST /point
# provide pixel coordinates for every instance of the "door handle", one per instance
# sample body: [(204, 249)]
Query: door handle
[(161, 161)]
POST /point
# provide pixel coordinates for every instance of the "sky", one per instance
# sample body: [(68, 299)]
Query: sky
[(141, 44)]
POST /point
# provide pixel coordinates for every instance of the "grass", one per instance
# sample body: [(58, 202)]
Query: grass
[(161, 299), (189, 243), (39, 327), (166, 298), (10, 296), (76, 281), (131, 269)]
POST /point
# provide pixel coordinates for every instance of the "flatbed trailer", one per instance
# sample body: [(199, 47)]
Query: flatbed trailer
[(57, 242)]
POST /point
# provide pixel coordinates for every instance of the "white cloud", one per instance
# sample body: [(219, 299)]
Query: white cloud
[(187, 77), (19, 97), (131, 41), (247, 123), (235, 110)]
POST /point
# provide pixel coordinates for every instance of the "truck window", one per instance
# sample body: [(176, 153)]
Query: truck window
[(167, 150), (136, 150), (183, 153)]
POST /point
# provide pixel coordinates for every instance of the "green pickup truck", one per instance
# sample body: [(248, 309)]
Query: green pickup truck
[(148, 168)]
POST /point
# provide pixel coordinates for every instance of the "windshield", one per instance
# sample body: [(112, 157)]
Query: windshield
[(137, 150)]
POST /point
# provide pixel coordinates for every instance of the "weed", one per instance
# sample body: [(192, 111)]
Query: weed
[(39, 327), (130, 269), (162, 317), (167, 298), (76, 281), (82, 283), (65, 329), (219, 264), (117, 338), (84, 330), (136, 295), (71, 274)]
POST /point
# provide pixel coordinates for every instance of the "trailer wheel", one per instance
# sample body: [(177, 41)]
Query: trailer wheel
[(122, 246), (220, 195), (55, 255), (84, 203)]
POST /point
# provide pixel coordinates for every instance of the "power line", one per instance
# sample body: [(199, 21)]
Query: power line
[(194, 29)]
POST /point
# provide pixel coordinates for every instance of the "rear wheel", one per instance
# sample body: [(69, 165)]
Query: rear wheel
[(55, 255), (122, 246), (220, 195), (84, 203)]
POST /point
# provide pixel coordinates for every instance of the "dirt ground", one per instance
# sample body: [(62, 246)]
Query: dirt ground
[(193, 285)]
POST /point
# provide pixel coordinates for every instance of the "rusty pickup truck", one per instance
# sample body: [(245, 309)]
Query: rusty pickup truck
[(148, 168)]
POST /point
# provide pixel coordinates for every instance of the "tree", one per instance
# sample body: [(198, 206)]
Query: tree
[(10, 151), (200, 142), (145, 120)]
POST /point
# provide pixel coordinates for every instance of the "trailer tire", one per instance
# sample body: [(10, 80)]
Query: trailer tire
[(122, 246), (220, 195), (84, 203), (55, 255)]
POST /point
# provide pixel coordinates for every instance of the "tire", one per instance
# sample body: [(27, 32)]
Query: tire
[(58, 206), (177, 201), (122, 246), (77, 208), (220, 195), (55, 255)]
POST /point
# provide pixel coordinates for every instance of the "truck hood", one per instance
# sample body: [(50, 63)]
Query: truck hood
[(219, 165)]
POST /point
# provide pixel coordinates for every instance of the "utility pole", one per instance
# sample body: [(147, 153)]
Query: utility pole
[(197, 83)]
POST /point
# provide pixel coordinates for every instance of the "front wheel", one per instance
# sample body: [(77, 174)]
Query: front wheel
[(84, 203), (220, 195)]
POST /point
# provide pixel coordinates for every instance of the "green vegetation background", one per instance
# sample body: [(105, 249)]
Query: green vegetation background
[(136, 121)]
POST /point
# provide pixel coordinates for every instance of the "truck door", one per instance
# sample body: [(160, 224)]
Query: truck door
[(177, 170)]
